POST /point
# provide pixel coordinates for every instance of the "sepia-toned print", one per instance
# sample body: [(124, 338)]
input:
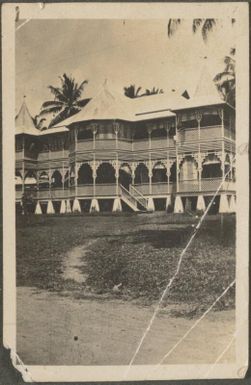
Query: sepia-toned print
[(127, 202)]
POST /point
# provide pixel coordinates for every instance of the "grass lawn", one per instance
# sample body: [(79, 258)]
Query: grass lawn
[(140, 252)]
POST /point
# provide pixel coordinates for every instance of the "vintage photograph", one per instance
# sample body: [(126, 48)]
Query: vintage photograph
[(125, 192)]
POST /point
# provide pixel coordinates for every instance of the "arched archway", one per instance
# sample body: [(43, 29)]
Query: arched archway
[(105, 174), (141, 174), (56, 179), (159, 173), (188, 169), (30, 179), (43, 181), (211, 167), (85, 174), (125, 175)]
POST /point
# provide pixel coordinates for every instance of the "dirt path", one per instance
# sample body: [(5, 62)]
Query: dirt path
[(57, 330), (74, 261)]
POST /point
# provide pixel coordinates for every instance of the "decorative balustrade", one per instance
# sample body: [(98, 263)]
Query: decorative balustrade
[(140, 144), (206, 133), (161, 188), (136, 193), (207, 185)]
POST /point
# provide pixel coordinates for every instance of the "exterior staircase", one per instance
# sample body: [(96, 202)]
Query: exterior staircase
[(133, 198)]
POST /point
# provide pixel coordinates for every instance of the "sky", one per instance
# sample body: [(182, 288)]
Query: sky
[(122, 51)]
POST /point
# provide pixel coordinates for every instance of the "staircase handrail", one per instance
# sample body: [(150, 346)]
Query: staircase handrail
[(132, 198), (139, 194)]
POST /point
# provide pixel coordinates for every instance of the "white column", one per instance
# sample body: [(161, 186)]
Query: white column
[(168, 180), (23, 170), (221, 114), (178, 205), (200, 203), (117, 206), (68, 206), (38, 209), (198, 115), (149, 130), (76, 178), (76, 206), (133, 173), (94, 128), (117, 175), (168, 202), (150, 204), (94, 206), (232, 205), (224, 205), (62, 207), (50, 208), (150, 174)]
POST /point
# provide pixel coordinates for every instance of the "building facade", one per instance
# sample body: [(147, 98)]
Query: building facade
[(159, 152)]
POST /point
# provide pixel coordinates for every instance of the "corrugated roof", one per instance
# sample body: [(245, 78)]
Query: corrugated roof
[(24, 123)]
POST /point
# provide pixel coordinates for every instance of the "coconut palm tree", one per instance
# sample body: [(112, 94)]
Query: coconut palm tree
[(225, 80), (39, 122), (203, 25), (153, 91), (131, 91), (67, 99)]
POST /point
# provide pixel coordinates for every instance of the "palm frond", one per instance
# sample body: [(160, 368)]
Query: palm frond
[(172, 26), (232, 51), (208, 26), (52, 103), (57, 92), (83, 102), (50, 110), (196, 24)]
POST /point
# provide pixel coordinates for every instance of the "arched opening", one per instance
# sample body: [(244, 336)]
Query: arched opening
[(173, 173), (30, 180), (85, 174), (188, 169), (211, 167), (56, 179), (105, 174), (141, 174), (159, 173), (125, 177), (43, 182)]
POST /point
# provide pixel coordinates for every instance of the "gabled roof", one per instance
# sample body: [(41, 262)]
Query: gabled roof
[(24, 123), (106, 105)]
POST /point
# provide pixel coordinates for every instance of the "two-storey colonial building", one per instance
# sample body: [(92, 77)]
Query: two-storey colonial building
[(156, 152)]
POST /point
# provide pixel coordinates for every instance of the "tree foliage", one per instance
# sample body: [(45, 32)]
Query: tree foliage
[(225, 80), (67, 99), (132, 91)]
